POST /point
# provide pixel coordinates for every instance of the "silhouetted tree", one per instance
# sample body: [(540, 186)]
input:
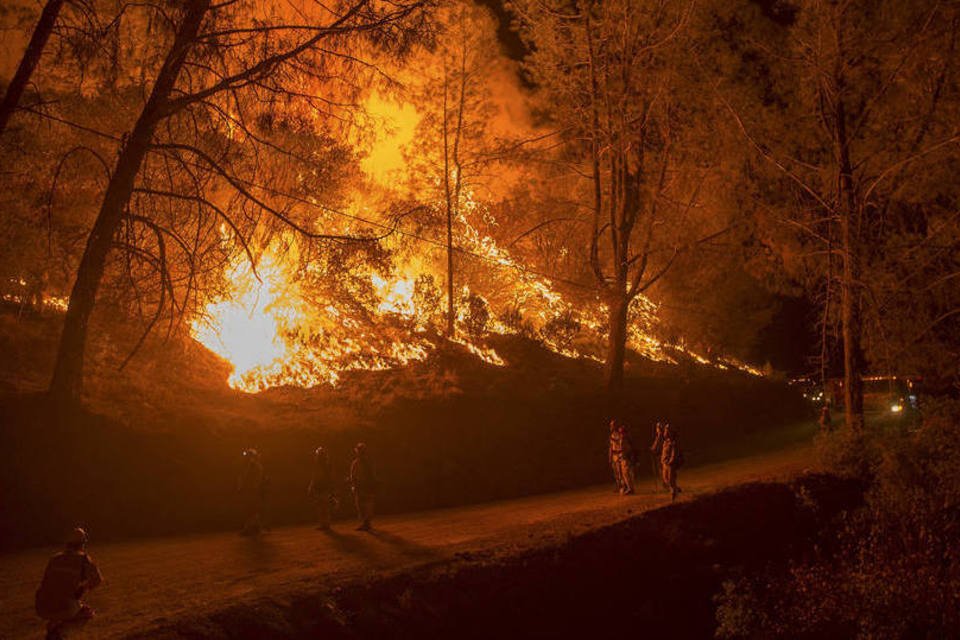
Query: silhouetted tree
[(616, 80), (855, 111), (29, 61)]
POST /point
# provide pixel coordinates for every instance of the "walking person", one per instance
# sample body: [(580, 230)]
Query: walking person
[(825, 420), (363, 481), (656, 451), (671, 459), (620, 454), (613, 449), (252, 488), (628, 459), (321, 489), (69, 575)]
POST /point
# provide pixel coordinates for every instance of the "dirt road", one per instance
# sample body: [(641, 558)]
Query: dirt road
[(148, 582)]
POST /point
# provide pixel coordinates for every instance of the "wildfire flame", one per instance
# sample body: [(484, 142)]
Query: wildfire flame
[(395, 296), (274, 335), (56, 304)]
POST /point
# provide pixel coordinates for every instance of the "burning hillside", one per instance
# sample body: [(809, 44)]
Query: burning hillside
[(276, 330), (300, 320)]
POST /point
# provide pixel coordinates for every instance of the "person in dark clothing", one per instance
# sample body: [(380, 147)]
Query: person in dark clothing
[(826, 422), (69, 575), (363, 481), (656, 450), (613, 456), (252, 486), (321, 489), (671, 459)]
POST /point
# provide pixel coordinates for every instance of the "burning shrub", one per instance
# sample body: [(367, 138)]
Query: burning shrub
[(561, 330), (477, 316), (426, 300), (515, 322), (894, 569)]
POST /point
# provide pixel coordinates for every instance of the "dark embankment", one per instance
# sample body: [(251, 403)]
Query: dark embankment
[(653, 576), (157, 450)]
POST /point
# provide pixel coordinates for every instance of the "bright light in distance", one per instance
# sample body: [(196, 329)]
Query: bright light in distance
[(896, 408)]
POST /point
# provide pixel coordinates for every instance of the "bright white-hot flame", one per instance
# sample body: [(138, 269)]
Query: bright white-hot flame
[(272, 336), (246, 328), (395, 296)]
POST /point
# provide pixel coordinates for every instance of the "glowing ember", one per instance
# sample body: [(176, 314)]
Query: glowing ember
[(57, 304)]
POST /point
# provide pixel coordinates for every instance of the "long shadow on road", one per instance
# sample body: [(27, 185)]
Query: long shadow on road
[(405, 546), (351, 544)]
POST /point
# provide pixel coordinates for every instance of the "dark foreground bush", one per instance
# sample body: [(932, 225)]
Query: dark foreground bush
[(893, 569)]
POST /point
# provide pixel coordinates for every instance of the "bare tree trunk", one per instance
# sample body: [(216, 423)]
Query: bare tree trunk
[(457, 184), (66, 384), (851, 321), (825, 317), (451, 313), (616, 346), (850, 316), (31, 57)]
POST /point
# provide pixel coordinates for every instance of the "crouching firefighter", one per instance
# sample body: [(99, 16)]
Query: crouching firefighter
[(69, 575)]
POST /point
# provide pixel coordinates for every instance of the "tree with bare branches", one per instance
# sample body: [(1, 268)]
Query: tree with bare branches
[(29, 61), (615, 81), (858, 109)]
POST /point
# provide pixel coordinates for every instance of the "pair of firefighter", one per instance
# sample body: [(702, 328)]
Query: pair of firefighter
[(666, 458), (363, 484), (69, 575), (665, 455)]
